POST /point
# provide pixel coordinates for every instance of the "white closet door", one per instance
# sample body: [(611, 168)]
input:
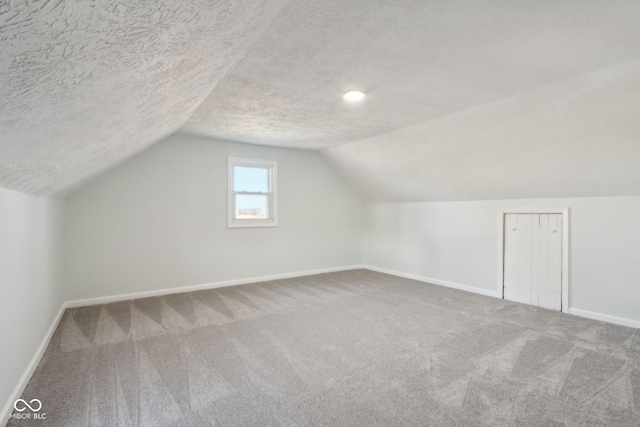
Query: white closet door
[(551, 286), (533, 259)]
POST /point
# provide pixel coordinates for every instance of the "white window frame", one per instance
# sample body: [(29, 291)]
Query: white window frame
[(272, 167)]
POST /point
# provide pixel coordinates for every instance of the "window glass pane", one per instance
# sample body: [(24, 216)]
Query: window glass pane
[(252, 206), (250, 179)]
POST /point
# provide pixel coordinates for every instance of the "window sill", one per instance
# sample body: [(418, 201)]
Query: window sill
[(251, 224)]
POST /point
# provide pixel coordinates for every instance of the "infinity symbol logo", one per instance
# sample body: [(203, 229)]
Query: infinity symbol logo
[(26, 405)]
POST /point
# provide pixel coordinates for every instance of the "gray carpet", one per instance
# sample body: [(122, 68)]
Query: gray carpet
[(353, 348)]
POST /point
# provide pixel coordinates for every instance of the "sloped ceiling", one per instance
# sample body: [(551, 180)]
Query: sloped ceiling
[(576, 138), (417, 59), (84, 85)]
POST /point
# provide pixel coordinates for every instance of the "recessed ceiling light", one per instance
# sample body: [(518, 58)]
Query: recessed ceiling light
[(354, 95)]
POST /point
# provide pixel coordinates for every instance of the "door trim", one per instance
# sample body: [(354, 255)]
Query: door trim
[(565, 247)]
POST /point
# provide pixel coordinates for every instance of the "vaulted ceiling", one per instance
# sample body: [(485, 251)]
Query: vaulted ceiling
[(85, 85)]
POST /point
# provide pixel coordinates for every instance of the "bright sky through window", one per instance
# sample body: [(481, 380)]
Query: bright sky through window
[(251, 179), (252, 192), (254, 180)]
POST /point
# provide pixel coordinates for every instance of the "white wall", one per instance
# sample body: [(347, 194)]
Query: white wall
[(457, 242), (31, 294), (160, 221)]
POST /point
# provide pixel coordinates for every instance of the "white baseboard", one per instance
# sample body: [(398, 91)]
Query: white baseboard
[(24, 380), (160, 292), (438, 282), (605, 317), (575, 311), (26, 376)]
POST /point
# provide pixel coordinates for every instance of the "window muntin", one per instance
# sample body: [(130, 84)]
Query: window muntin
[(252, 192)]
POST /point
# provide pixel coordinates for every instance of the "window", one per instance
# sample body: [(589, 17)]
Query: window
[(252, 193)]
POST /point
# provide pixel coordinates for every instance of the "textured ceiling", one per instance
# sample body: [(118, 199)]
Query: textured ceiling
[(85, 84), (418, 60), (574, 138)]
